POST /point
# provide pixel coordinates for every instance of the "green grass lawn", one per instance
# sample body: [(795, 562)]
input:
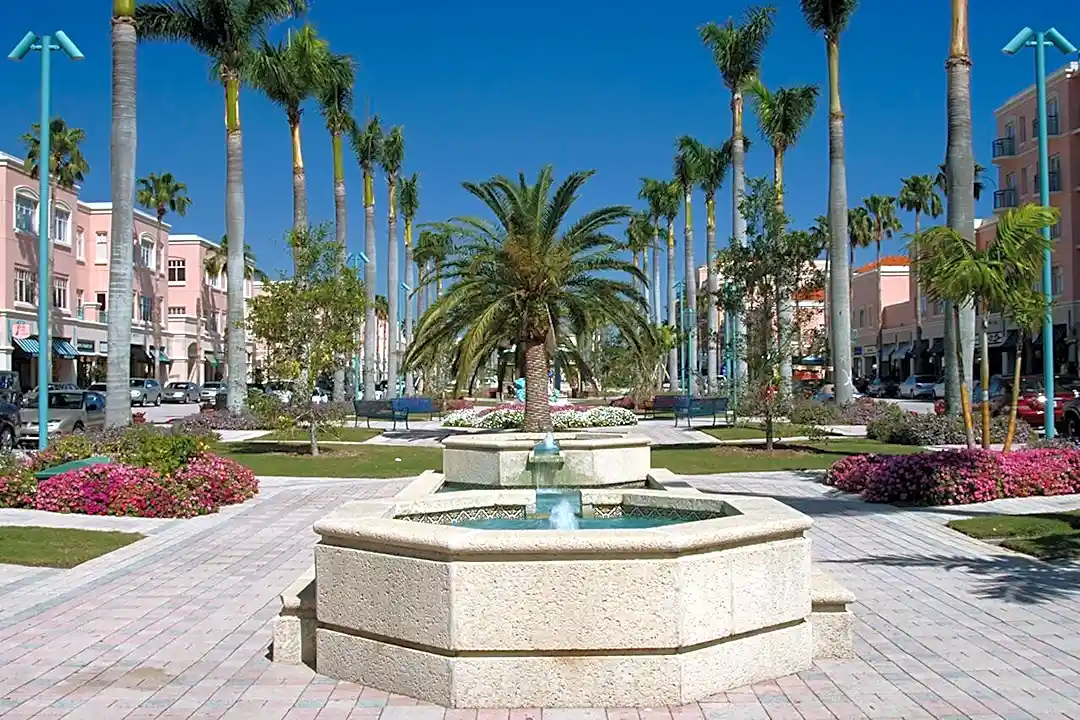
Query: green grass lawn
[(754, 458), (58, 547), (338, 434), (344, 461), (1049, 536), (749, 432)]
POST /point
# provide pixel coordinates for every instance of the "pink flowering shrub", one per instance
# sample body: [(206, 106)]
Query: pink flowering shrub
[(17, 483), (217, 481), (957, 477)]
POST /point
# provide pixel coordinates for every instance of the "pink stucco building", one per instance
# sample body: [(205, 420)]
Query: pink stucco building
[(177, 308)]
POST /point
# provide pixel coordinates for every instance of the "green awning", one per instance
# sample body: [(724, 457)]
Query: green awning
[(30, 346), (163, 356), (64, 349), (212, 359)]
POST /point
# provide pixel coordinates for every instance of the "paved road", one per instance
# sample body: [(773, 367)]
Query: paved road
[(166, 412), (916, 406), (178, 625)]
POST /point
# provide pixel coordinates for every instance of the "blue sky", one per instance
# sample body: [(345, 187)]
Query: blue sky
[(487, 87)]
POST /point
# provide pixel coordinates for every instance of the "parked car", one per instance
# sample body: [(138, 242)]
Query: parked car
[(881, 388), (939, 389), (70, 411), (827, 393), (210, 391), (1031, 407), (145, 391), (181, 392), (917, 387), (9, 426)]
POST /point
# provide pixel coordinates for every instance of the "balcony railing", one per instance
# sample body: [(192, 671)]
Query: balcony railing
[(1053, 127), (1005, 198), (1004, 147), (1054, 179)]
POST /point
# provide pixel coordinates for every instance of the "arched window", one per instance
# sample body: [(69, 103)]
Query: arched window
[(26, 210), (60, 230), (147, 257)]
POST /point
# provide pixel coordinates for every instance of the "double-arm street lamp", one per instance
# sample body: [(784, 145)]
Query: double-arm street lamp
[(44, 44), (1039, 40)]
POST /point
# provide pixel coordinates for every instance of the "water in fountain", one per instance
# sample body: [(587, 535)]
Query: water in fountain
[(563, 517)]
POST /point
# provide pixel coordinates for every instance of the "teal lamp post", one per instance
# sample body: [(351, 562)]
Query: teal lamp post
[(357, 260), (45, 44), (1039, 40)]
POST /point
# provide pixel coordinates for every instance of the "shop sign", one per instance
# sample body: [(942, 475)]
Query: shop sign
[(85, 346), (20, 330), (994, 339), (869, 350)]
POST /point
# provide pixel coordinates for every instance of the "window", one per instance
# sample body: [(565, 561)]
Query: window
[(1055, 231), (1023, 129), (177, 270), (80, 311), (1056, 280), (146, 253), (1055, 172), (26, 208), (101, 301), (1010, 180), (1010, 130), (60, 232), (176, 310), (159, 265), (1023, 180), (101, 249), (939, 307), (1051, 114), (862, 317), (25, 287), (80, 244), (60, 292), (923, 308), (211, 322), (146, 308)]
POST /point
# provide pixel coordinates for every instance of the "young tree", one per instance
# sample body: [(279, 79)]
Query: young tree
[(309, 321), (764, 273)]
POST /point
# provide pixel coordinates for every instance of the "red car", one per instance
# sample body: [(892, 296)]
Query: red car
[(1032, 405)]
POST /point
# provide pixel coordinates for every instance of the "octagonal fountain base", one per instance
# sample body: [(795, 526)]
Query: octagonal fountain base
[(504, 460), (411, 603)]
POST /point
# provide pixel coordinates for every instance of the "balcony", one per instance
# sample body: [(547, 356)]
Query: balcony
[(1053, 126), (1005, 199), (1004, 147), (1054, 180)]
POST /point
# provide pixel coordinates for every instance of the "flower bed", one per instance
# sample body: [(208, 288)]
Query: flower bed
[(154, 473), (563, 417), (957, 477)]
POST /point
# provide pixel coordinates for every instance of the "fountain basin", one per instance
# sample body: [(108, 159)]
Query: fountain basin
[(412, 604), (506, 460)]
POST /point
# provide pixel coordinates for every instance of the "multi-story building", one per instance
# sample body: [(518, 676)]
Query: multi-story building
[(177, 310)]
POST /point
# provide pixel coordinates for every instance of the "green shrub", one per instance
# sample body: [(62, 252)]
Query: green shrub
[(930, 429)]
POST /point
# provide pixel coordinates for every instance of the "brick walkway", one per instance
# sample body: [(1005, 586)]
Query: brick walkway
[(177, 625)]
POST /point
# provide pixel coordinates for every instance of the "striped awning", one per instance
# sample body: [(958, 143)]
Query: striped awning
[(163, 356), (64, 349), (30, 346), (212, 359)]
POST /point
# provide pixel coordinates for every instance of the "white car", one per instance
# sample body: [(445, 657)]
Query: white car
[(939, 389), (283, 391)]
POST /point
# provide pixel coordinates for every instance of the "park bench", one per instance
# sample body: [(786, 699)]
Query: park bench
[(664, 404), (380, 410), (699, 407), (419, 406)]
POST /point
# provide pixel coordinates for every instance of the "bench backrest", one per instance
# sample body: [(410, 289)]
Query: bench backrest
[(414, 404), (668, 402), (709, 405), (372, 407)]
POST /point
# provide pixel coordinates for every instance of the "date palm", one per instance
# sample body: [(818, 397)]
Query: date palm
[(831, 18), (289, 72), (686, 177), (783, 114), (533, 273), (408, 205), (123, 138), (917, 195), (162, 194), (391, 156), (737, 51), (67, 164), (883, 223), (367, 145), (669, 209), (655, 193), (224, 31), (218, 259), (1001, 274), (639, 237)]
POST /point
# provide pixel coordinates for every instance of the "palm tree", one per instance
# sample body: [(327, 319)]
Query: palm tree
[(122, 146), (783, 114), (367, 145), (224, 30), (432, 250), (882, 211), (639, 235), (218, 259), (670, 209), (831, 17), (534, 274), (917, 195), (687, 174), (737, 51), (860, 235), (160, 194), (67, 164), (288, 73), (335, 96), (391, 156), (1003, 273), (655, 193), (408, 205), (382, 313)]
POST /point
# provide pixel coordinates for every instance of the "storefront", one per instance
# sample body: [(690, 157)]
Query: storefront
[(91, 366), (26, 349), (213, 368), (142, 362)]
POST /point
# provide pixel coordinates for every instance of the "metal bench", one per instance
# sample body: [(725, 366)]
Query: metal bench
[(699, 407), (419, 406), (665, 403), (380, 410)]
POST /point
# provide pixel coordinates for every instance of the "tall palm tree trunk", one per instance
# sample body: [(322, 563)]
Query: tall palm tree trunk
[(122, 142), (537, 409), (657, 311), (738, 222), (393, 282), (710, 285), (408, 305), (299, 192), (825, 314), (984, 377), (785, 310), (1014, 398), (673, 320), (918, 301), (960, 198), (690, 276), (645, 283), (236, 349), (369, 288), (839, 279), (340, 236)]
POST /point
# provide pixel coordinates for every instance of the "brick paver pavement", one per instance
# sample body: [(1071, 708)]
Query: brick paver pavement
[(178, 625)]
